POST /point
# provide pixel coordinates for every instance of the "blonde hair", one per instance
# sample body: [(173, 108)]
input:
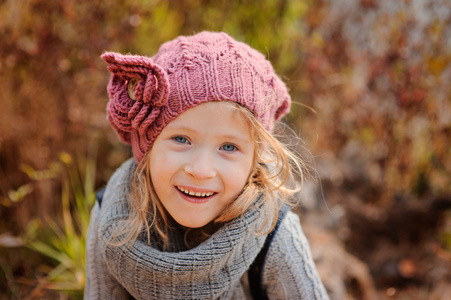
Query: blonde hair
[(276, 175)]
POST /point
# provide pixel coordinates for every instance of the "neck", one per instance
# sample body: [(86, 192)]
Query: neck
[(187, 237)]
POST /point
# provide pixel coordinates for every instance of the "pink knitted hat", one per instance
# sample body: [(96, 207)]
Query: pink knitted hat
[(148, 93)]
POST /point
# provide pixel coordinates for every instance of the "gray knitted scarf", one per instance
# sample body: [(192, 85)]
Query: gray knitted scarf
[(211, 270)]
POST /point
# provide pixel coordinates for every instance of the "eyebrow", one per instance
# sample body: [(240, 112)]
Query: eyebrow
[(236, 137)]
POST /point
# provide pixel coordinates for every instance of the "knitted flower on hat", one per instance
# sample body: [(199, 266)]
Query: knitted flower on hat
[(148, 93)]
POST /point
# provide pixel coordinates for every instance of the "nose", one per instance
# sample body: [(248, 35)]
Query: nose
[(201, 166)]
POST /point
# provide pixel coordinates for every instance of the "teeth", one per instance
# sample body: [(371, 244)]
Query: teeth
[(197, 194)]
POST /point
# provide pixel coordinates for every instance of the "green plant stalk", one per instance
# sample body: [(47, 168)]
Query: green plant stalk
[(66, 244)]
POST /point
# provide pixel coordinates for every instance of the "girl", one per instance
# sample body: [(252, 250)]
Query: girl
[(193, 214)]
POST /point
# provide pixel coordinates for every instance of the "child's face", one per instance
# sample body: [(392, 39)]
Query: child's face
[(201, 161)]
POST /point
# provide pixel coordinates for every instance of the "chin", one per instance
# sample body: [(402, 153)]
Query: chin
[(189, 224)]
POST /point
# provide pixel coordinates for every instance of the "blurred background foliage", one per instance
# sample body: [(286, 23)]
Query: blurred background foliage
[(370, 82)]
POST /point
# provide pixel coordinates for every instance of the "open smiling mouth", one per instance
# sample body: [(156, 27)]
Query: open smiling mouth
[(195, 194)]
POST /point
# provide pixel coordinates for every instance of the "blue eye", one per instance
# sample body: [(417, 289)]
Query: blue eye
[(229, 148), (180, 139)]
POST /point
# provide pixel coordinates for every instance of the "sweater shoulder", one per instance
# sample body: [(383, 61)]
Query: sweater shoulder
[(289, 271), (122, 175)]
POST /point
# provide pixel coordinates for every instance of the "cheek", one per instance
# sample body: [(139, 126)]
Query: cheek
[(162, 170), (161, 165), (239, 174)]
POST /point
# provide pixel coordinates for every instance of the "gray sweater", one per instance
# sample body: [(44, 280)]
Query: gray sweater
[(215, 269)]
